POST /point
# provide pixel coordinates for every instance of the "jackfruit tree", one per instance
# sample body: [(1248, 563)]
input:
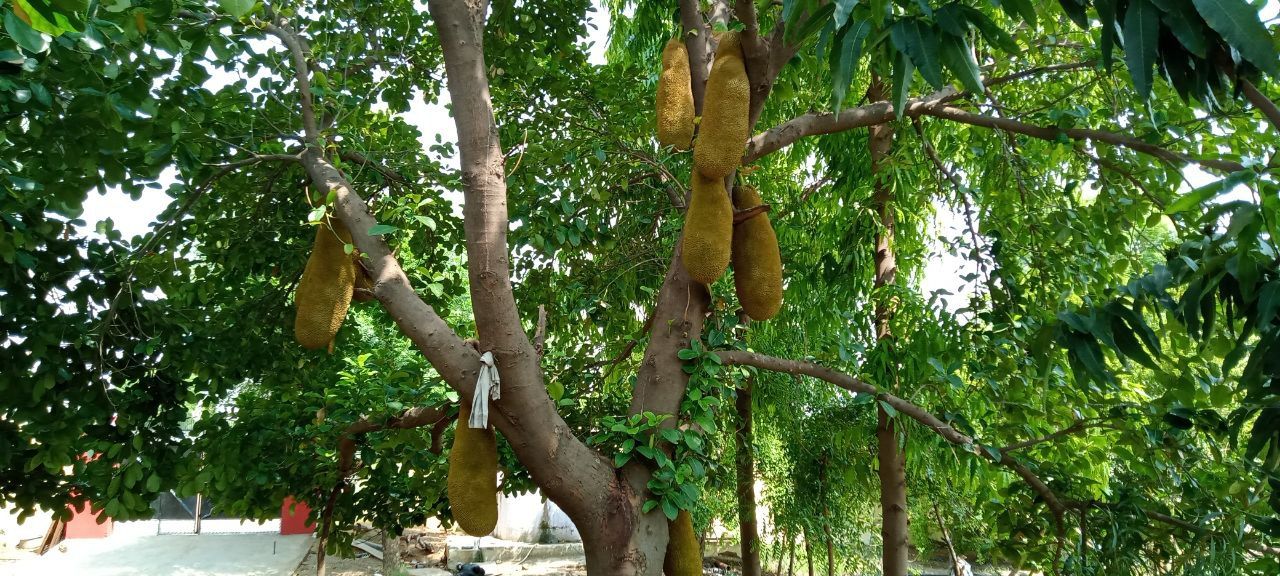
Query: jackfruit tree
[(984, 280)]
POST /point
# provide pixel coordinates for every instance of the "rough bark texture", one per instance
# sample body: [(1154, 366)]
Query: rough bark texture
[(616, 539), (744, 443), (892, 467)]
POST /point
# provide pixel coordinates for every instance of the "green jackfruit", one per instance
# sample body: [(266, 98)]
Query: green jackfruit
[(473, 477), (683, 557), (708, 230), (324, 293), (725, 112), (757, 264), (675, 98)]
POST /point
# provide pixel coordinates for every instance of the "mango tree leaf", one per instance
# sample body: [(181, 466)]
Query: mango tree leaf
[(958, 57), (1239, 25), (1141, 33), (921, 45), (903, 72), (845, 55), (1185, 24), (843, 9), (1107, 42), (992, 32)]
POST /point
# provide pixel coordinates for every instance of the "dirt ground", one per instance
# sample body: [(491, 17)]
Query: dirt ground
[(419, 548)]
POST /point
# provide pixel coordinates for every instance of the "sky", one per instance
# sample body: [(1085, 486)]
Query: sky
[(942, 271)]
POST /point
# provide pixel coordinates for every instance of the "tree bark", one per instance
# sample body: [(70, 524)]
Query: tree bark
[(390, 553), (791, 556), (745, 461), (893, 481), (808, 550)]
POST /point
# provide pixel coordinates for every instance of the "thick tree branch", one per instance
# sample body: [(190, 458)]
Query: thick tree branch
[(934, 105), (1075, 428), (697, 37), (1261, 102), (408, 419), (300, 52), (917, 413), (387, 173)]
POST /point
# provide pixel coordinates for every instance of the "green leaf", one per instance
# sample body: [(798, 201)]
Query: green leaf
[(844, 59), (994, 452), (26, 37), (687, 354), (903, 72), (1076, 12), (382, 229), (1239, 25), (991, 31), (888, 409), (1268, 302), (153, 483), (669, 509), (1195, 198), (958, 57), (237, 8), (843, 9), (1023, 8), (1107, 18), (1182, 20), (921, 45), (1141, 34)]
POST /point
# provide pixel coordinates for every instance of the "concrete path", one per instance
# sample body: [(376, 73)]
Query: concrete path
[(170, 555)]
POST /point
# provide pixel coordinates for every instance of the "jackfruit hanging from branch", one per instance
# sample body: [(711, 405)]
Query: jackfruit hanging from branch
[(675, 97), (708, 230), (726, 108), (757, 263), (324, 292), (473, 477)]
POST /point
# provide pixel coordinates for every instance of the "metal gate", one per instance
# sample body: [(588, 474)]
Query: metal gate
[(198, 515)]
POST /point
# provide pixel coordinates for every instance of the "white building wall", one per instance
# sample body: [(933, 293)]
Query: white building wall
[(530, 518)]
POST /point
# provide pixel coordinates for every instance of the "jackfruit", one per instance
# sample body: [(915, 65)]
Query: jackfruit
[(708, 230), (683, 557), (324, 293), (757, 264), (725, 112), (675, 98), (473, 477)]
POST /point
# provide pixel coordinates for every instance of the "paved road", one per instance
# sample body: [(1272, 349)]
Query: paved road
[(170, 555)]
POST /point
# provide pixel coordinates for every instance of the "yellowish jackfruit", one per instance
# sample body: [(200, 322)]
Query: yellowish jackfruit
[(708, 230), (324, 293), (675, 97), (473, 477), (683, 557), (725, 112), (757, 264)]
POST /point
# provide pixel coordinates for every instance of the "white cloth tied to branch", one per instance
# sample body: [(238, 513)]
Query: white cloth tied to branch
[(488, 387)]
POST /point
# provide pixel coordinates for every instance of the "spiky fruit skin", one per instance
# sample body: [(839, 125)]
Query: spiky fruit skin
[(725, 113), (324, 293), (683, 557), (675, 98), (708, 231), (757, 263), (473, 477)]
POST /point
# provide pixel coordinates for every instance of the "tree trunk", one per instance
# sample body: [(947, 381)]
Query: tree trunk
[(791, 557), (808, 550), (782, 551), (390, 553), (893, 479), (746, 484)]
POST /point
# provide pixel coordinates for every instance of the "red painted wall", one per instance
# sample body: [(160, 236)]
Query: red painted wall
[(84, 523), (295, 521)]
